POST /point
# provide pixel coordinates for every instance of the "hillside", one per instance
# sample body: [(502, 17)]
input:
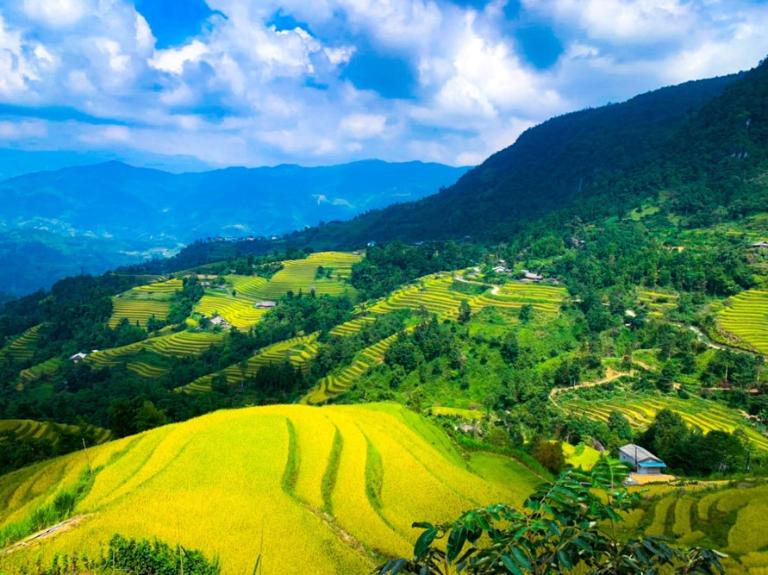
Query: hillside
[(698, 142), (68, 217), (337, 487)]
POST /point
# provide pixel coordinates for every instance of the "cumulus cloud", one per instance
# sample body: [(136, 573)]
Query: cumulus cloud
[(245, 89), (363, 126)]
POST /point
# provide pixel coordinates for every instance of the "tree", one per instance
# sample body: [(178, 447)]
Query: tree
[(668, 438), (526, 313), (619, 424), (465, 311), (549, 454), (571, 522), (510, 348)]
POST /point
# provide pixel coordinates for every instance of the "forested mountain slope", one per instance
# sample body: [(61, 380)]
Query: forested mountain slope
[(702, 141)]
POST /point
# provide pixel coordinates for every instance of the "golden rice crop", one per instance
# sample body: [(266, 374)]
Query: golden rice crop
[(218, 482), (139, 304), (745, 319)]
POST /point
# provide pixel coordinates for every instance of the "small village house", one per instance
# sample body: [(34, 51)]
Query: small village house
[(641, 460), (78, 357), (531, 276), (266, 304)]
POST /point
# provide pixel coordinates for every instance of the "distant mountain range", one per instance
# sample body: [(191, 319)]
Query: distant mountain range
[(94, 217)]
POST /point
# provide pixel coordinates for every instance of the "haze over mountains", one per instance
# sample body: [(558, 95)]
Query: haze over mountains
[(98, 216)]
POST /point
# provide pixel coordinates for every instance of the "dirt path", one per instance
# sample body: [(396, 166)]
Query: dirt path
[(610, 376), (461, 279), (46, 533)]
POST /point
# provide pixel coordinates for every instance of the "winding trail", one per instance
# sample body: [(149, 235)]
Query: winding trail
[(611, 376), (46, 533)]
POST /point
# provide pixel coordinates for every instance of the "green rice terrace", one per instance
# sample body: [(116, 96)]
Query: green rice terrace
[(744, 321), (28, 429), (297, 351), (341, 380), (723, 517), (141, 303), (442, 294), (22, 348), (640, 410), (180, 344), (659, 303)]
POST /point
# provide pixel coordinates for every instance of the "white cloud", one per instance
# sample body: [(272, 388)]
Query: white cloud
[(641, 21), (25, 129), (56, 13), (173, 59), (363, 126), (246, 91)]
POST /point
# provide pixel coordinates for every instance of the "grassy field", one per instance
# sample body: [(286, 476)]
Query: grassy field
[(641, 409), (580, 456), (335, 488), (22, 348), (298, 351), (26, 429), (745, 320), (137, 305), (727, 519)]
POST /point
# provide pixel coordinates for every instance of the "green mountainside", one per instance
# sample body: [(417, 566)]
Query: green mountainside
[(700, 142)]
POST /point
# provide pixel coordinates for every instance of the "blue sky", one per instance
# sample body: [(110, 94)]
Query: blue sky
[(238, 82)]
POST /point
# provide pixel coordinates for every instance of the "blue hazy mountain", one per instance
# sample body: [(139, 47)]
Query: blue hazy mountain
[(92, 217)]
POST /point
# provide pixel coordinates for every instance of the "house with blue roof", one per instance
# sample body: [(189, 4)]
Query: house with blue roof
[(641, 460)]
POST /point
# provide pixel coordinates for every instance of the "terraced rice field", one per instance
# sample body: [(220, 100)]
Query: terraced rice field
[(139, 304), (298, 351), (334, 488), (658, 302), (299, 275), (514, 295), (434, 293), (180, 344), (39, 371), (22, 348), (352, 326), (641, 409), (26, 429), (247, 286), (239, 311), (727, 519), (746, 320), (341, 381)]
